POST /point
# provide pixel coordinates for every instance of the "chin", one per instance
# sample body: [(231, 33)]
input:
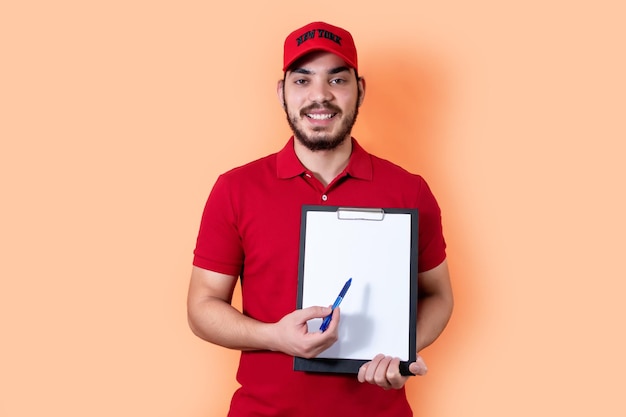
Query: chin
[(320, 144)]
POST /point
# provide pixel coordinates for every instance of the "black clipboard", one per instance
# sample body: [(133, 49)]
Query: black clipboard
[(377, 248)]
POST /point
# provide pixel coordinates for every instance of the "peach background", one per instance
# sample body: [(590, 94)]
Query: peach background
[(117, 116)]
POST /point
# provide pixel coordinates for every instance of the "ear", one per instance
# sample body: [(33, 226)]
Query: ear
[(280, 92), (361, 87)]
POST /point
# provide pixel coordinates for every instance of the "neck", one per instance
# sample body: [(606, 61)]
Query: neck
[(325, 165)]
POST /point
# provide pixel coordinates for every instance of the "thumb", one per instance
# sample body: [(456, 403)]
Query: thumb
[(315, 312), (419, 366)]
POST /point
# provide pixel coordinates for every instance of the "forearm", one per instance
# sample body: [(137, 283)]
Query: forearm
[(212, 318), (434, 306), (433, 314), (216, 321)]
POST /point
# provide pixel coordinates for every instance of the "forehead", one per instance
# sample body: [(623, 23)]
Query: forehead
[(318, 61)]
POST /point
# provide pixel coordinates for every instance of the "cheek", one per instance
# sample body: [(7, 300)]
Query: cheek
[(348, 106), (294, 103), (347, 100), (292, 112), (293, 99)]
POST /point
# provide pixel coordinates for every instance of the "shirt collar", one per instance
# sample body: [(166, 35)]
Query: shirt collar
[(288, 165)]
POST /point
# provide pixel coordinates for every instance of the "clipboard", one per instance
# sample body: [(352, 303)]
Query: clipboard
[(377, 248)]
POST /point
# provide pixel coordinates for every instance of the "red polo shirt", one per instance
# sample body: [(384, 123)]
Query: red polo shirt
[(251, 228)]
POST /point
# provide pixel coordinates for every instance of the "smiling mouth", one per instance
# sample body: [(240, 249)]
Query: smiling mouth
[(324, 116)]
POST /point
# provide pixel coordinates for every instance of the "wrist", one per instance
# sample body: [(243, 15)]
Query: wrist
[(268, 336)]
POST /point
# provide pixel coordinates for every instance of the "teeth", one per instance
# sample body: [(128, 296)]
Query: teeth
[(320, 116)]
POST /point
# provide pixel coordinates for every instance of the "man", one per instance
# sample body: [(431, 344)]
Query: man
[(250, 229)]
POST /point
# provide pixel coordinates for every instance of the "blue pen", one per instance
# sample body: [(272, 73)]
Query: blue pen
[(342, 294)]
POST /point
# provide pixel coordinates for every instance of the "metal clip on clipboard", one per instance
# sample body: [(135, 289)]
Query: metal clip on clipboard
[(349, 213)]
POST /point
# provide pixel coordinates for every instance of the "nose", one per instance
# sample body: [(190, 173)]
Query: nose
[(319, 92)]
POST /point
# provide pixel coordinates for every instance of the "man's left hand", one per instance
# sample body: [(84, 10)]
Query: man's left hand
[(384, 371)]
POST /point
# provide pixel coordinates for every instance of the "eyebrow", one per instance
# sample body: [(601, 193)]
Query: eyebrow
[(331, 71)]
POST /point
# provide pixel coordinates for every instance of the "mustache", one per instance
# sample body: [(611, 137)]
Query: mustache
[(330, 107)]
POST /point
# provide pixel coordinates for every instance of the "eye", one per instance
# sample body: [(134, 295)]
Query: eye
[(300, 81), (337, 81)]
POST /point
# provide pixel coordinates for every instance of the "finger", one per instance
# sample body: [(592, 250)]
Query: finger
[(380, 376), (370, 371), (334, 320), (375, 372), (419, 366), (314, 312), (395, 378), (362, 371)]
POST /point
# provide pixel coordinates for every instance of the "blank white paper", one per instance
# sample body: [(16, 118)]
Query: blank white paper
[(375, 313)]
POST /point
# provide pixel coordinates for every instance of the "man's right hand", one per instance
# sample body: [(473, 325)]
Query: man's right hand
[(292, 336), (214, 319)]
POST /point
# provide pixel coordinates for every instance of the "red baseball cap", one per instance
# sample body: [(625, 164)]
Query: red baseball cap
[(319, 36)]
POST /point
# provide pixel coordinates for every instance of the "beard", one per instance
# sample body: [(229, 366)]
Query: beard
[(318, 141)]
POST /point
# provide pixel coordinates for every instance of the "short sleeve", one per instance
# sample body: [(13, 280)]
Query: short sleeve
[(432, 245), (218, 246)]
